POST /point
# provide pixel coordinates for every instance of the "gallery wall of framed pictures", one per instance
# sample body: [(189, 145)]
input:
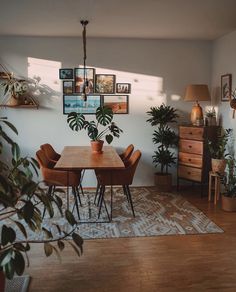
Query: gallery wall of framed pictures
[(101, 90)]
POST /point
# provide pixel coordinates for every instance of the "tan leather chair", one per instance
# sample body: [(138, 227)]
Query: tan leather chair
[(122, 177), (53, 177), (53, 157), (50, 152), (127, 153)]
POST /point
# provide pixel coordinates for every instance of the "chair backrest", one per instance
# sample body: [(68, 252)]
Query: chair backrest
[(43, 160), (127, 153), (131, 164), (50, 152)]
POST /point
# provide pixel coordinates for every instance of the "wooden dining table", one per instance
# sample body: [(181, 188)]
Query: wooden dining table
[(82, 158)]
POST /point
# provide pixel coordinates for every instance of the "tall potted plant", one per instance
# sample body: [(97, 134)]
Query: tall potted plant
[(228, 199), (22, 203), (217, 149), (165, 139), (96, 130)]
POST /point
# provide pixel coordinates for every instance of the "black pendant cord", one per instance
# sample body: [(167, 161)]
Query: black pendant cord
[(84, 23)]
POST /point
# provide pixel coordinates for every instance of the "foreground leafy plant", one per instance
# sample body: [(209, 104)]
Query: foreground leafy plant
[(22, 201)]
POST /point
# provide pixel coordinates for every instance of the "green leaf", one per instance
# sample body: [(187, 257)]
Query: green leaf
[(75, 121), (109, 138), (74, 248), (48, 249), (104, 115), (9, 269), (8, 235), (11, 126), (29, 188), (70, 218), (21, 227), (78, 240), (28, 211), (61, 245), (47, 233), (4, 183), (5, 257), (19, 263), (15, 151)]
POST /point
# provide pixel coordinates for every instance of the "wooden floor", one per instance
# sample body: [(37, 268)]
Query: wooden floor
[(163, 263)]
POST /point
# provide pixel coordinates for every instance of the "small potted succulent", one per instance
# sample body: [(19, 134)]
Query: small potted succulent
[(211, 117), (217, 149), (104, 119), (165, 138), (228, 199)]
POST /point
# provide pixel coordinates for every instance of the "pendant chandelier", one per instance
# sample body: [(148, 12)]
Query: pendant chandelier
[(84, 23)]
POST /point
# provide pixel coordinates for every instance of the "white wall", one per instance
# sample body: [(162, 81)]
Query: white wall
[(224, 62), (158, 70)]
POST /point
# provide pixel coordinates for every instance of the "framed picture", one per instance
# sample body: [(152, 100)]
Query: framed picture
[(118, 103), (123, 87), (226, 87), (66, 74), (68, 87), (84, 77), (75, 103), (105, 83)]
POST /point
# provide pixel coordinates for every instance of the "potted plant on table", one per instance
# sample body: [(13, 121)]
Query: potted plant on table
[(104, 119), (217, 149), (228, 198), (165, 138), (211, 117), (22, 203)]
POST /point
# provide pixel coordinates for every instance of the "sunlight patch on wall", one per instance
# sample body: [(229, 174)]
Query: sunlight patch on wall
[(46, 72), (146, 90)]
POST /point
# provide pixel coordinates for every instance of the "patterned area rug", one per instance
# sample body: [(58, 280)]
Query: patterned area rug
[(156, 214)]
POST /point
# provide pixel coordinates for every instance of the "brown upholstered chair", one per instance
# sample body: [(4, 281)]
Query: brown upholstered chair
[(122, 177), (53, 177), (53, 157), (50, 152), (127, 153)]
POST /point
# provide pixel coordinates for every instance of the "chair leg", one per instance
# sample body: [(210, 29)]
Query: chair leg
[(125, 192), (81, 188), (76, 200), (78, 195), (96, 195), (130, 199), (100, 199)]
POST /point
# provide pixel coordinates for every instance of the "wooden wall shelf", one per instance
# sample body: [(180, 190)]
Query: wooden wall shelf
[(20, 106)]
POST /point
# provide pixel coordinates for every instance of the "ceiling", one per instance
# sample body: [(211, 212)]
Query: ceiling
[(168, 19)]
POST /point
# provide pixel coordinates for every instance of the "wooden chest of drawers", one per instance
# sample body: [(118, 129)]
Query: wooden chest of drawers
[(194, 162)]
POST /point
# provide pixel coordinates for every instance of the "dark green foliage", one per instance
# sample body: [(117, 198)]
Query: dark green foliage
[(229, 181), (21, 197), (104, 117), (217, 148), (163, 136)]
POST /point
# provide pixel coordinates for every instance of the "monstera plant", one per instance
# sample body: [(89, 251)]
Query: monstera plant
[(22, 204), (96, 130)]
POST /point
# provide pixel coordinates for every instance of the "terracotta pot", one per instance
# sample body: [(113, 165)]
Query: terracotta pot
[(97, 146), (163, 182), (228, 203), (13, 101), (218, 165), (2, 281)]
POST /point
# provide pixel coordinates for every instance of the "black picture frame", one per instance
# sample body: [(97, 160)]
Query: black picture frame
[(75, 103), (68, 87), (80, 81), (226, 87), (123, 88), (118, 103), (105, 83), (66, 73)]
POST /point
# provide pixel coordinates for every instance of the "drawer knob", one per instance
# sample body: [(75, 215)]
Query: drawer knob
[(189, 146), (190, 133), (190, 159), (189, 172)]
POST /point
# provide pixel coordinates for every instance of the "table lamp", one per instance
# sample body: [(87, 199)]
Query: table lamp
[(197, 92)]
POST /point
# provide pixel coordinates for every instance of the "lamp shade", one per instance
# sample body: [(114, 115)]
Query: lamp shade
[(199, 92)]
